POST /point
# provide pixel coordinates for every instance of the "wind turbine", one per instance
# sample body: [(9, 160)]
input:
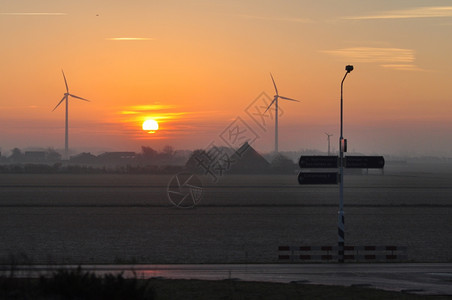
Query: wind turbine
[(328, 135), (275, 100), (66, 97)]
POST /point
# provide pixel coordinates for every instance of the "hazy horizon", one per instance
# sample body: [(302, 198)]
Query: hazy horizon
[(290, 152)]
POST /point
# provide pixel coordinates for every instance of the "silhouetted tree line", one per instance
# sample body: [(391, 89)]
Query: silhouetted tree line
[(59, 168), (167, 156), (149, 161)]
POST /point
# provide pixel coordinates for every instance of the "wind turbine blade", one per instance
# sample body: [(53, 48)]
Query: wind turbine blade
[(274, 83), (65, 82), (64, 97), (271, 104), (285, 98), (79, 97)]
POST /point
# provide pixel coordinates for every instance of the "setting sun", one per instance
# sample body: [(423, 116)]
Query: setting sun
[(150, 125)]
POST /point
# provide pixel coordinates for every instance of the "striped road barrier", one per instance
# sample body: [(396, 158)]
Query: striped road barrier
[(351, 253)]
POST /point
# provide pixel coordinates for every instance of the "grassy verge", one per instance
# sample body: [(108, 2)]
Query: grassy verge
[(77, 284)]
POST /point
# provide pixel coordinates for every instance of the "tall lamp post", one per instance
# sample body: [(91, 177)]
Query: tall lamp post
[(343, 148)]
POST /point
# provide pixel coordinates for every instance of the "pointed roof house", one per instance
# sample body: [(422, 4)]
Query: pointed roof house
[(246, 160)]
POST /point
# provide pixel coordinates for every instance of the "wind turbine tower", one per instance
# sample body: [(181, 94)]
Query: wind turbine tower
[(66, 98), (275, 100), (328, 135)]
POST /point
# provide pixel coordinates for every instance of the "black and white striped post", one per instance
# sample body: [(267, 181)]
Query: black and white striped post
[(343, 148)]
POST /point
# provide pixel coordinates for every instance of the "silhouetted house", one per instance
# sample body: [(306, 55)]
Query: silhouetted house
[(84, 158), (197, 160), (52, 156), (117, 157), (246, 160), (35, 156), (218, 161)]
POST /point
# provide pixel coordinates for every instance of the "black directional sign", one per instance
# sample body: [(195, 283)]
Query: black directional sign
[(308, 162), (365, 162), (318, 178)]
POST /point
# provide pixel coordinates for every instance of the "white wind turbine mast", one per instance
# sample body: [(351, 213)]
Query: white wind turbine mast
[(275, 100), (66, 97), (328, 135)]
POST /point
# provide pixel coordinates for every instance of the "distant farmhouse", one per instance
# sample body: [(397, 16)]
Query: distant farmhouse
[(117, 157), (246, 160), (218, 161), (84, 158), (36, 157)]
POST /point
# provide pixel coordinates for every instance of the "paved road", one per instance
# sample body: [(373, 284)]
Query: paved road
[(422, 278)]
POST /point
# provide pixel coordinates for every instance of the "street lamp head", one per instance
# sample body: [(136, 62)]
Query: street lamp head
[(349, 68)]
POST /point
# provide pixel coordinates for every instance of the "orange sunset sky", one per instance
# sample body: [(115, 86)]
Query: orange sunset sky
[(199, 67)]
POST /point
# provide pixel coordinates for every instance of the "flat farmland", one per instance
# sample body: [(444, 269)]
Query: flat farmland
[(109, 218)]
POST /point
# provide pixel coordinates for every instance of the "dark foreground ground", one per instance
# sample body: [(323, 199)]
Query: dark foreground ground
[(76, 219), (81, 285)]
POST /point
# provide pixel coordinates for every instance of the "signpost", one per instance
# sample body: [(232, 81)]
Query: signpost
[(308, 162), (364, 162), (335, 162), (350, 162), (315, 162)]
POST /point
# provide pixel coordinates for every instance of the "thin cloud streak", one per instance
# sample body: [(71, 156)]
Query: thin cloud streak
[(402, 67), (389, 58), (279, 19), (129, 39), (145, 108), (414, 13), (161, 111), (33, 14), (371, 54)]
